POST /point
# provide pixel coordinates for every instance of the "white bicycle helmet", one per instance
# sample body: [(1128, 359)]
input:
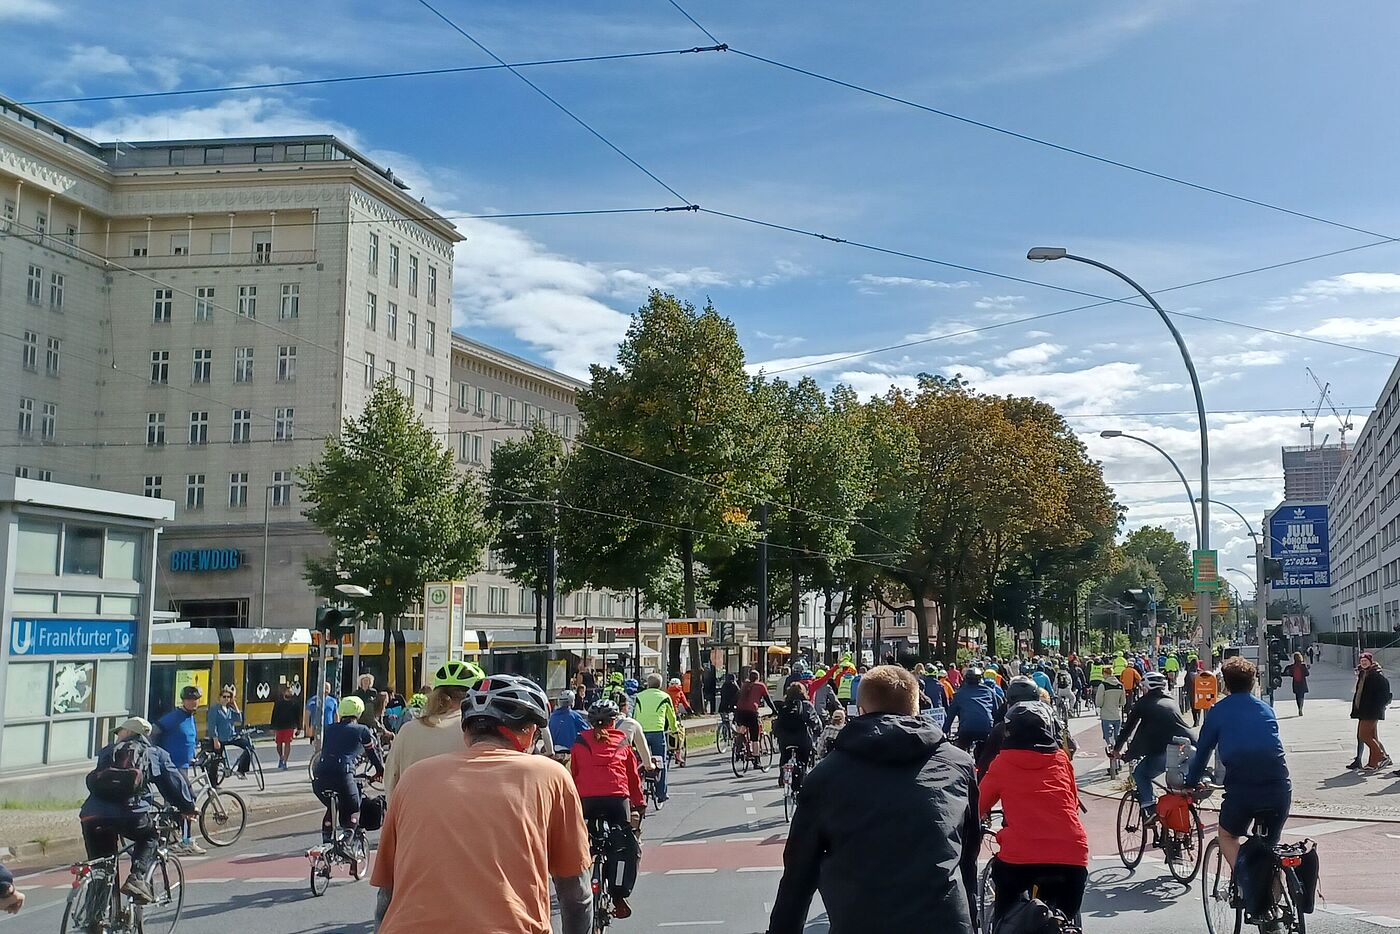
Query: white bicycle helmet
[(1154, 681), (508, 699)]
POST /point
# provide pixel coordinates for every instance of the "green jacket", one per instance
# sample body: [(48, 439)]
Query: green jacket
[(654, 711)]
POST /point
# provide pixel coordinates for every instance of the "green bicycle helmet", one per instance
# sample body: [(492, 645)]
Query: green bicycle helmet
[(418, 701), (457, 673)]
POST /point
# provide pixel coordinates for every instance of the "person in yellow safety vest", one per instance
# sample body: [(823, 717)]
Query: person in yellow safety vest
[(1119, 663), (657, 715), (843, 687)]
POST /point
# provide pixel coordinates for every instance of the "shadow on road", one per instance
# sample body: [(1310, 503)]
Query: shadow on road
[(1115, 891)]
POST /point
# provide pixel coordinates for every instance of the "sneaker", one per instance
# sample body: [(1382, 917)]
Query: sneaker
[(191, 848), (1354, 765), (137, 890), (1385, 763), (620, 908)]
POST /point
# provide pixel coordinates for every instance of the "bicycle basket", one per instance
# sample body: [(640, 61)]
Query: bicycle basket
[(1174, 810)]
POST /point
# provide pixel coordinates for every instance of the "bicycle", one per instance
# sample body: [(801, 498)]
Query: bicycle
[(1181, 849), (600, 845), (986, 882), (95, 904), (650, 781), (675, 746), (724, 733), (350, 847), (1224, 904), (225, 768), (793, 772), (223, 814), (741, 759)]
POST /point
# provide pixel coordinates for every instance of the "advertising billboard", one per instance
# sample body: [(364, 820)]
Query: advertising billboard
[(1298, 540)]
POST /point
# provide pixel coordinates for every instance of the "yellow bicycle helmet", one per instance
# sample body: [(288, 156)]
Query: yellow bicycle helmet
[(350, 706), (457, 673), (418, 701)]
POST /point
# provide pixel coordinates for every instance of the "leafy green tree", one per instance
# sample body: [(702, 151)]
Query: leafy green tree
[(523, 488), (1165, 552), (398, 514)]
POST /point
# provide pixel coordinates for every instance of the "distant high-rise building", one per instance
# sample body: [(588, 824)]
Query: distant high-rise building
[(1309, 472)]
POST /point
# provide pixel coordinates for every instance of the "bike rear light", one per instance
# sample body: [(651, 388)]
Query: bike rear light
[(1292, 861)]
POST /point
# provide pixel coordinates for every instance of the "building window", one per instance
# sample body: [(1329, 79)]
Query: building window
[(162, 304), (463, 396), (180, 244), (26, 417), (155, 428), (262, 153), (480, 401), (194, 491), (471, 598), (41, 223), (138, 244), (199, 428), (510, 411), (152, 486), (177, 157), (476, 449), (160, 366), (391, 370), (56, 282), (219, 243), (373, 254), (29, 351), (291, 300), (248, 301), (284, 425), (432, 338), (243, 365), (238, 490), (428, 392), (413, 329), (281, 488), (51, 358), (391, 320), (371, 311), (70, 236), (203, 365), (213, 155), (242, 426), (432, 284), (286, 364), (394, 265), (46, 476), (496, 406), (370, 375), (48, 421), (204, 303), (412, 275), (34, 291), (411, 382), (7, 220)]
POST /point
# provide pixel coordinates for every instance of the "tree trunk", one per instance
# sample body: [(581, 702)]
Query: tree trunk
[(921, 617), (673, 646), (795, 608), (992, 636), (829, 622), (948, 621), (539, 612), (857, 623)]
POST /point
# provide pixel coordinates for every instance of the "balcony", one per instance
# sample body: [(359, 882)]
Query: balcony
[(197, 260)]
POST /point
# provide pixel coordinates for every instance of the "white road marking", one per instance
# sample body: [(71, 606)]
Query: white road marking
[(759, 869), (1341, 909), (747, 796), (750, 810), (275, 879), (249, 856), (223, 880), (1382, 920), (684, 924), (683, 842), (272, 820), (1326, 827), (690, 872)]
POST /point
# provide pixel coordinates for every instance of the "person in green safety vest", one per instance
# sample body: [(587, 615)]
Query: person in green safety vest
[(1119, 663), (1172, 668), (655, 711)]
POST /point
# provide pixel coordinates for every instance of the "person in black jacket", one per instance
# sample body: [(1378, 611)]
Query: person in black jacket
[(728, 694), (886, 828), (1368, 705), (795, 727), (1151, 726)]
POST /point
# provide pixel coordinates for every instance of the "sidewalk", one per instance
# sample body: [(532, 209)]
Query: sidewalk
[(1318, 744)]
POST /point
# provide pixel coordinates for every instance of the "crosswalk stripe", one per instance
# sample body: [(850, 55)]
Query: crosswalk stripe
[(690, 872)]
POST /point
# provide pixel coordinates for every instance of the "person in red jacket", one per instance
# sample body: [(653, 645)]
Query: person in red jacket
[(606, 772), (1043, 843)]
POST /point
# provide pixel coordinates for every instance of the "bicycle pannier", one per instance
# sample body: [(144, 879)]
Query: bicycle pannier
[(1254, 875), (1031, 916), (1302, 858), (372, 811)]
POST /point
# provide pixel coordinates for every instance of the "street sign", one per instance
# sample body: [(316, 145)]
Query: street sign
[(72, 636), (1205, 571), (1298, 539), (686, 628), (437, 626)]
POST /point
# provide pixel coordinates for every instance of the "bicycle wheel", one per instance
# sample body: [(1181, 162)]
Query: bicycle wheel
[(986, 898), (602, 902), (359, 857), (320, 875), (222, 817), (738, 758), (724, 737), (1292, 897), (311, 765), (1216, 885), (255, 769), (765, 751), (1184, 854), (78, 913), (168, 885), (364, 774), (1132, 836)]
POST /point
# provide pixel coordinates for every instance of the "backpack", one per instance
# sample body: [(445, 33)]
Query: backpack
[(1063, 681), (1031, 916), (372, 811), (126, 776)]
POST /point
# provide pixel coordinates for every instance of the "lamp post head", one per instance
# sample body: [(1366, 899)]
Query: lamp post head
[(1043, 254), (1110, 433)]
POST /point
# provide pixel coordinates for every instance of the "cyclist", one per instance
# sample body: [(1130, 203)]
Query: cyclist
[(475, 836), (1064, 687), (1108, 697), (224, 720), (1043, 843), (1171, 667), (175, 733), (1133, 685), (679, 701), (341, 747), (605, 772), (565, 724), (794, 726), (1042, 678), (753, 693), (1152, 725), (120, 801), (728, 693), (657, 715), (973, 708), (631, 729), (438, 728), (1245, 731)]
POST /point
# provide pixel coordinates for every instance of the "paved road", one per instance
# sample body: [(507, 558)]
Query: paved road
[(712, 861)]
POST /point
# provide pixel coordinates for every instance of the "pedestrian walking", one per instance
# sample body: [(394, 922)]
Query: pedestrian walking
[(286, 720), (917, 798), (1298, 674), (1368, 703)]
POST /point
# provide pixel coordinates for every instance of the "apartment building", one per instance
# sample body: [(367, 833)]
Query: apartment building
[(1364, 523)]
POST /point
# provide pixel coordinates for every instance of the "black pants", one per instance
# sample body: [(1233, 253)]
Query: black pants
[(624, 849), (102, 836), (802, 746), (1060, 887), (341, 783)]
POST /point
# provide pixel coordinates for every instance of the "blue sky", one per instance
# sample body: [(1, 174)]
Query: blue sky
[(1273, 101)]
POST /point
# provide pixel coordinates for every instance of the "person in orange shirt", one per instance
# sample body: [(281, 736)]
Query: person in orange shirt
[(1131, 679), (678, 698), (475, 836)]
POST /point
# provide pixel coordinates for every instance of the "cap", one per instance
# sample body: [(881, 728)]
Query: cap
[(1368, 656), (138, 725)]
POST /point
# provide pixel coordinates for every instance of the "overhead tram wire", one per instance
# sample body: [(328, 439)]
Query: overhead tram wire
[(377, 76)]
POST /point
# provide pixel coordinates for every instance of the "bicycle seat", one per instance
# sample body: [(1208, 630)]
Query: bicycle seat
[(1263, 823)]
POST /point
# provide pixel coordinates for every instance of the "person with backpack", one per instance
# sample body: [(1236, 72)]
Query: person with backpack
[(121, 801), (974, 709), (1109, 698), (1152, 725), (175, 732), (11, 898), (605, 771), (345, 741), (795, 727)]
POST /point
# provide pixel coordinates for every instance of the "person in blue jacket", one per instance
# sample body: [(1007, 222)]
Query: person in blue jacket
[(974, 709), (175, 732), (565, 723)]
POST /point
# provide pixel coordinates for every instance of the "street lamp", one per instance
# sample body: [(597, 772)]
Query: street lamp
[(1043, 254), (1261, 599), (1190, 497)]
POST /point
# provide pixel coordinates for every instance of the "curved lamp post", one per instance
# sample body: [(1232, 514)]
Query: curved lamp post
[(1043, 254), (1190, 497)]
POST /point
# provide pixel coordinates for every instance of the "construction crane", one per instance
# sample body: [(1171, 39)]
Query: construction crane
[(1344, 423), (1310, 421)]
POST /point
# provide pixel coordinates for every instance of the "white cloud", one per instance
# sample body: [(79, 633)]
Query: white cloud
[(1034, 356), (635, 284), (814, 363), (780, 341), (232, 116), (1250, 358), (96, 60), (867, 384), (1355, 329), (950, 332), (31, 10), (998, 302), (872, 285), (1100, 386)]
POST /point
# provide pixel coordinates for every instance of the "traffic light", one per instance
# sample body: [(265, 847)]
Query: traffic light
[(336, 620), (1141, 601)]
